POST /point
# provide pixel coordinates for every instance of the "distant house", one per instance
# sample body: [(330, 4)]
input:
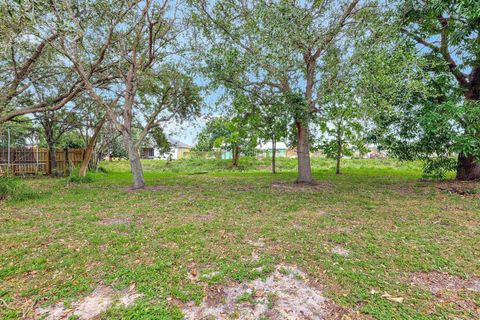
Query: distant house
[(226, 154), (266, 149), (262, 150), (374, 152), (178, 150)]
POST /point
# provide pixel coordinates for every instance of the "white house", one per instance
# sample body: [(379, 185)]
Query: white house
[(265, 149), (178, 151)]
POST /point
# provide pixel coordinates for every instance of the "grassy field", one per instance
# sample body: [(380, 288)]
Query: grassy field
[(362, 237)]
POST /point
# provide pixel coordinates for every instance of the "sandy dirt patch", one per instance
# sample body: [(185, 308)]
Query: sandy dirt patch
[(285, 294), (259, 243), (102, 298), (340, 250)]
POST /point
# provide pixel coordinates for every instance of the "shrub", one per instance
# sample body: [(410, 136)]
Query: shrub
[(14, 188)]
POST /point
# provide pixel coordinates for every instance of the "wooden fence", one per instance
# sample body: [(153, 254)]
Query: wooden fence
[(25, 161)]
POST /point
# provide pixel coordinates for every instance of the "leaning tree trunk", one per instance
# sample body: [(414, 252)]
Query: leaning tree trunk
[(135, 164), (468, 167), (274, 152), (303, 153), (90, 148), (236, 156)]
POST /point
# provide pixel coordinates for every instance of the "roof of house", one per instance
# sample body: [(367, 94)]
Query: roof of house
[(178, 144)]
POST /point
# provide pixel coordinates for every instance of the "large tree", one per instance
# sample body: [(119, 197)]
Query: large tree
[(448, 33), (433, 112), (134, 41), (343, 119), (251, 51)]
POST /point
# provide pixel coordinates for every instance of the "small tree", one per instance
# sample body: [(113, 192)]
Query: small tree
[(213, 130), (55, 125), (268, 115), (343, 134), (233, 134), (343, 118)]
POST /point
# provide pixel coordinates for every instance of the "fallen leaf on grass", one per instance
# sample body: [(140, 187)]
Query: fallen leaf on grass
[(391, 298)]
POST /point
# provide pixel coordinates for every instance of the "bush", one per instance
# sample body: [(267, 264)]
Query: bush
[(14, 188)]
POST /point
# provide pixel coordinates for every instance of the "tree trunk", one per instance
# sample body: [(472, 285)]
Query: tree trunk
[(135, 164), (274, 151), (337, 170), (47, 124), (468, 167), (90, 148), (53, 157), (236, 156), (303, 153), (339, 151)]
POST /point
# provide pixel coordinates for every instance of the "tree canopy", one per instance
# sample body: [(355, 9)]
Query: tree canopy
[(328, 75)]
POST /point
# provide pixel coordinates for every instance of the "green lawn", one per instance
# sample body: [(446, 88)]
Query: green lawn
[(59, 245)]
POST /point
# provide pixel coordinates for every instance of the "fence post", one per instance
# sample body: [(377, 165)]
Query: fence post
[(49, 162), (65, 162), (9, 152)]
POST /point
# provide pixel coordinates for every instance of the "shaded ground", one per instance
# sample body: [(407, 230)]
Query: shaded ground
[(450, 290), (464, 188), (302, 187), (146, 188), (436, 282), (358, 242)]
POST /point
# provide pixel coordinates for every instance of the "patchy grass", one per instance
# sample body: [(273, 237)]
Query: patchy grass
[(201, 232)]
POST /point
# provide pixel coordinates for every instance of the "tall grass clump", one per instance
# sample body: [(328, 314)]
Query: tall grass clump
[(14, 188)]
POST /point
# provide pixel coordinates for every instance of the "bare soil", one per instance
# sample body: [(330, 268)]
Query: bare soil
[(102, 298), (340, 250), (285, 294)]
